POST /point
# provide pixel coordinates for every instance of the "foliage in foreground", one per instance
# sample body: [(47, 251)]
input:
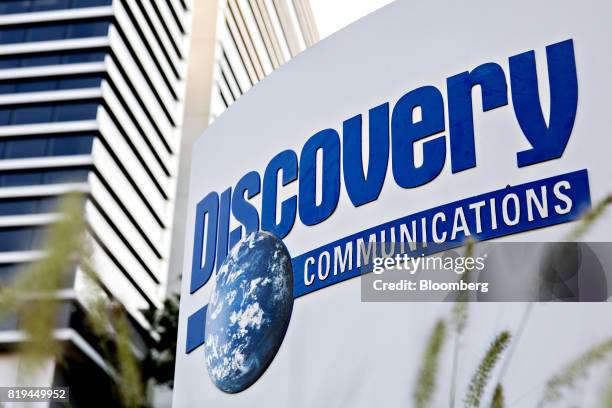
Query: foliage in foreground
[(483, 373), (426, 382), (35, 299), (425, 386)]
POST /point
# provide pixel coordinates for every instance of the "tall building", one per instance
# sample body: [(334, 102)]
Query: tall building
[(255, 38), (91, 99)]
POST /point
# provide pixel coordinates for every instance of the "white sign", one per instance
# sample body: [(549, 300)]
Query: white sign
[(423, 124)]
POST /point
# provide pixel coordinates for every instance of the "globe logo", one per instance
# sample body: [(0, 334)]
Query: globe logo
[(249, 311)]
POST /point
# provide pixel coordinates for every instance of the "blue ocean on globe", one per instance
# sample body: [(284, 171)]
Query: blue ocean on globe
[(249, 311)]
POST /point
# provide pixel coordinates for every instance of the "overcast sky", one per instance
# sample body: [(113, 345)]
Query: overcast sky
[(332, 15)]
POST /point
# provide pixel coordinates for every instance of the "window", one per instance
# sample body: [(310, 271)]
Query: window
[(53, 31), (37, 60), (45, 33), (35, 86), (17, 149), (21, 179), (32, 114), (45, 5), (22, 206), (40, 85), (32, 177), (81, 111), (90, 3), (70, 145), (20, 239), (80, 82), (64, 176), (24, 6), (87, 29), (45, 146), (48, 113)]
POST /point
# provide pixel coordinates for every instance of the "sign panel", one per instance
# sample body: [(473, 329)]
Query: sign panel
[(422, 125)]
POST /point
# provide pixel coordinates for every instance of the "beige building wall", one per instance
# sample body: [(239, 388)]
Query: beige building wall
[(196, 113)]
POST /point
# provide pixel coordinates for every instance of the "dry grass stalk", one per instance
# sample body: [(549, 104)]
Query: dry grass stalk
[(483, 373), (576, 369), (498, 397), (426, 380)]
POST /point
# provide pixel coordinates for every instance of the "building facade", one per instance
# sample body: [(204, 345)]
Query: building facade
[(255, 38), (91, 99)]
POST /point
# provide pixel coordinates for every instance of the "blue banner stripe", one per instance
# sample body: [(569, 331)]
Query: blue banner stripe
[(577, 192), (196, 324), (576, 189)]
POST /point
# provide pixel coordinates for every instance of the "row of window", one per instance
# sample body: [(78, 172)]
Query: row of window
[(24, 147), (38, 177), (38, 60), (40, 85), (29, 205), (24, 6), (21, 239), (22, 115), (53, 31)]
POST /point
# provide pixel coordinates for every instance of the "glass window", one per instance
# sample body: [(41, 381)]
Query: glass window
[(21, 206), (81, 82), (45, 5), (15, 6), (20, 239), (5, 116), (20, 148), (7, 87), (47, 146), (48, 113), (20, 179), (42, 60), (11, 35), (70, 145), (30, 177), (79, 111), (47, 204), (87, 29), (53, 31), (8, 63), (40, 85), (18, 206), (84, 57), (35, 86), (23, 6), (46, 33), (32, 114), (37, 60), (65, 176), (91, 3)]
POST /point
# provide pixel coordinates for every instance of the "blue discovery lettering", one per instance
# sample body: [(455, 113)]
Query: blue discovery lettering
[(392, 135)]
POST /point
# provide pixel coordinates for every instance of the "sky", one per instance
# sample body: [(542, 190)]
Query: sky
[(332, 15)]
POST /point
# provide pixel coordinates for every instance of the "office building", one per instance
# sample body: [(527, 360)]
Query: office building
[(91, 99)]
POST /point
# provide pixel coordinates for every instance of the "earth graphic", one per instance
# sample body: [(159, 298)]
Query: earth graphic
[(249, 311)]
